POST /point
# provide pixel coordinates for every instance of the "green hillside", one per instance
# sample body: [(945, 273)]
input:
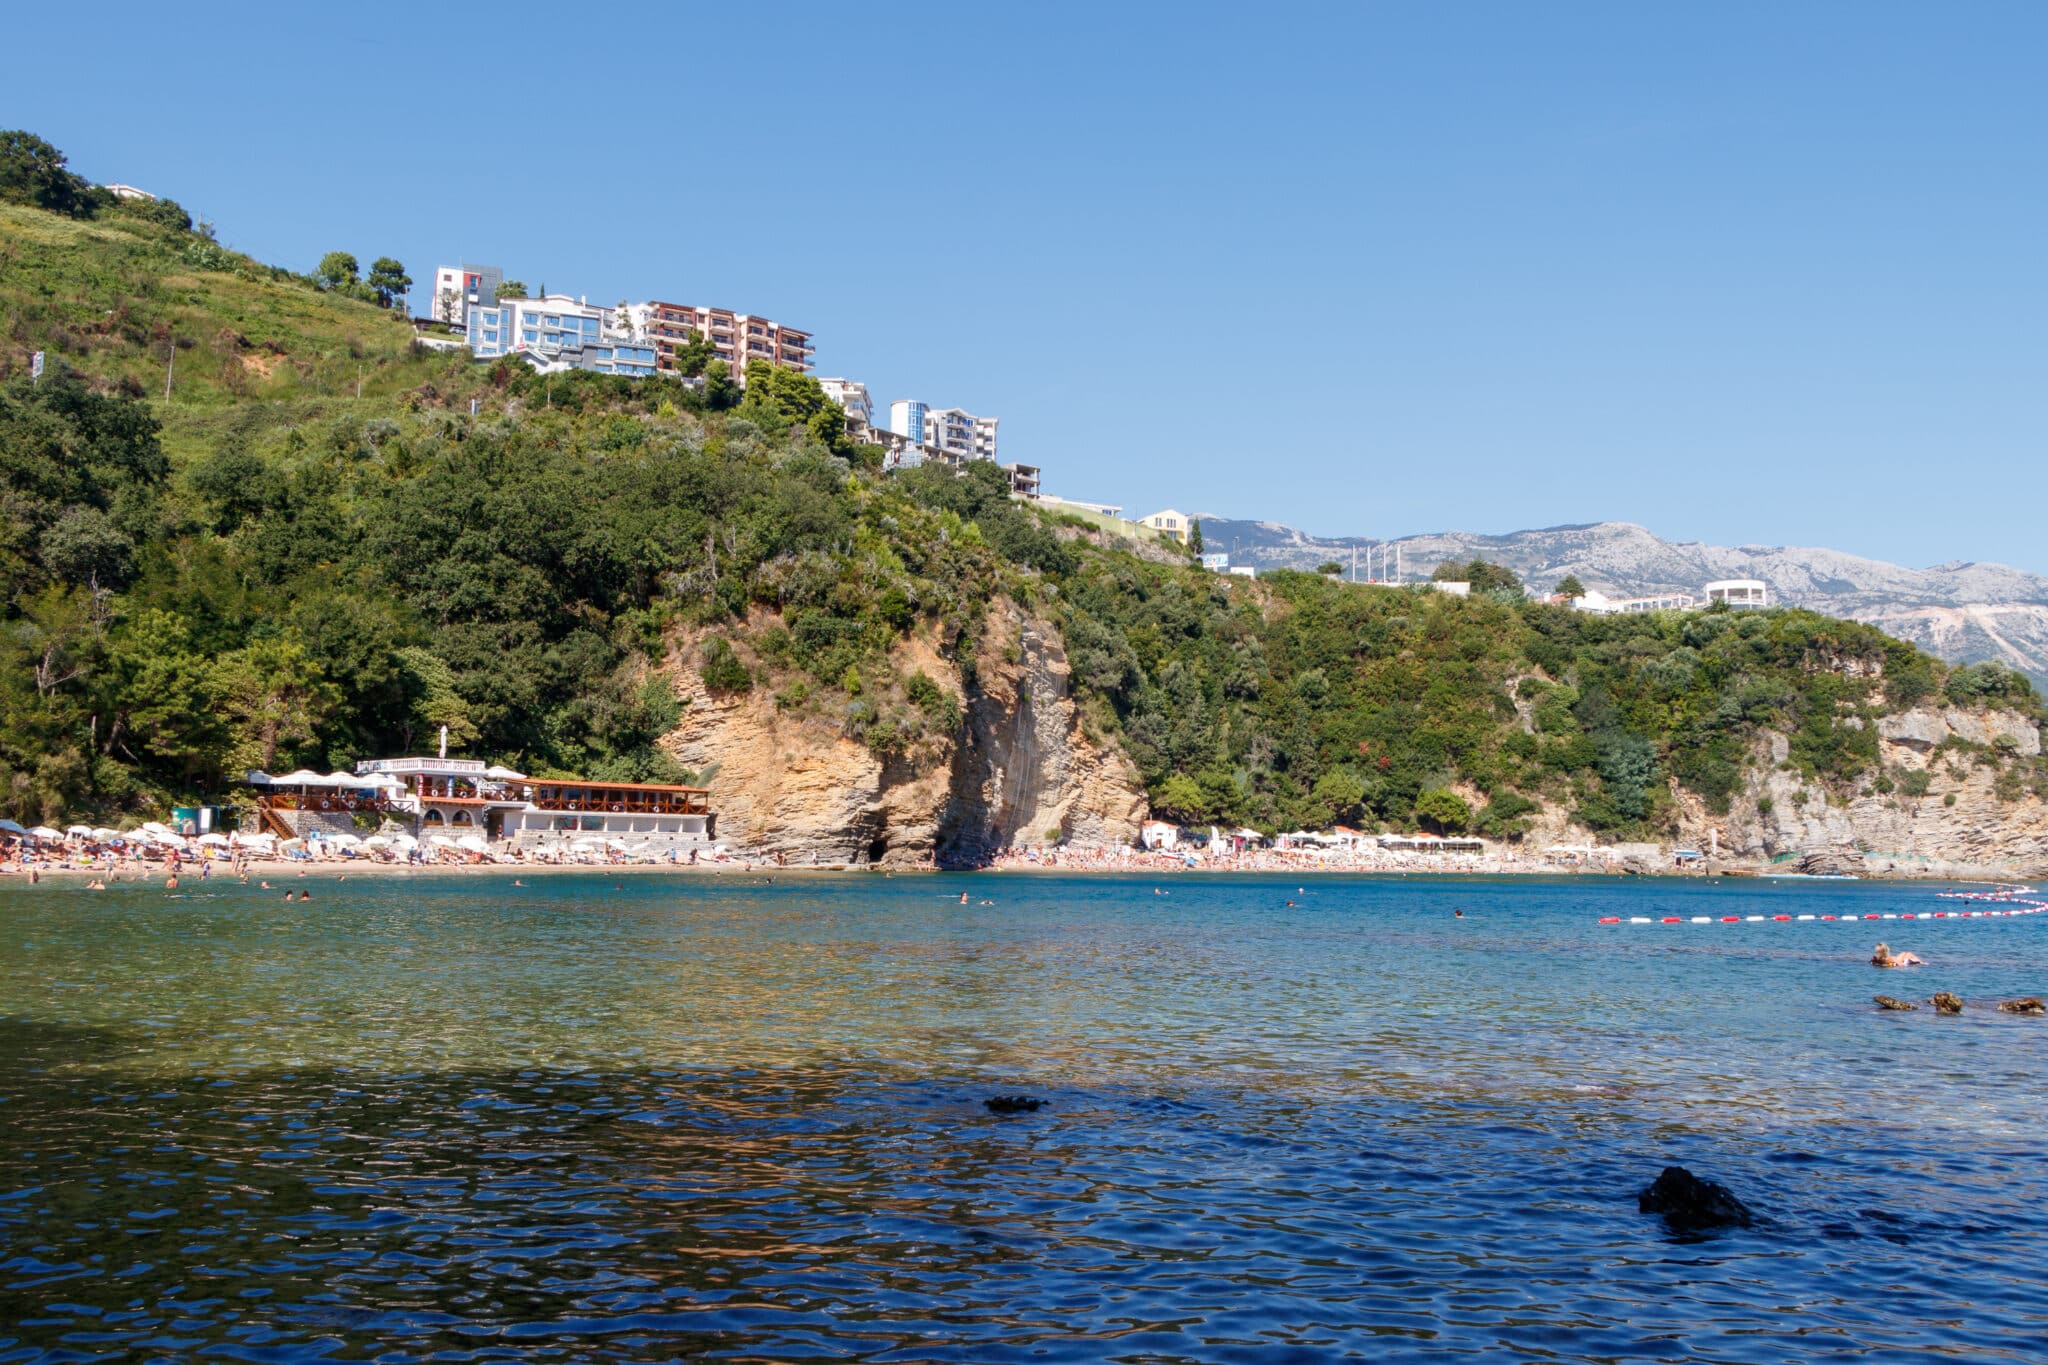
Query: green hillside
[(267, 570)]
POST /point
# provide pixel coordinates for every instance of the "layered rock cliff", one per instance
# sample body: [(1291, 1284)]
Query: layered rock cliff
[(1019, 765), (1945, 813)]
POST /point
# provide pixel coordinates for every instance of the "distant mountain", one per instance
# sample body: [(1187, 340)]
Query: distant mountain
[(1961, 611)]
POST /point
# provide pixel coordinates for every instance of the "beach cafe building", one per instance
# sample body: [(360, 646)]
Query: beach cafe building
[(456, 796)]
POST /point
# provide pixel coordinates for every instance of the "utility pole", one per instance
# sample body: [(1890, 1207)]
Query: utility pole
[(170, 365)]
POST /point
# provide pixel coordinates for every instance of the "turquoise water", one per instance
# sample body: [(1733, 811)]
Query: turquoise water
[(451, 1119)]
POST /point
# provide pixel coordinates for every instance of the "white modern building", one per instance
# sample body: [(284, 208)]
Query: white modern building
[(1739, 592), (459, 288), (955, 433), (1599, 604), (554, 323), (906, 419), (852, 395)]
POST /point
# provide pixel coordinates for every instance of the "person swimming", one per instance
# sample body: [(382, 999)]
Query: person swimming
[(1883, 956), (963, 898)]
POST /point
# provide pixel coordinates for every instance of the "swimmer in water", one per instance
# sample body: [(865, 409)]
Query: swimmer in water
[(1292, 906), (1458, 914), (963, 898), (1885, 957), (171, 882), (517, 882), (266, 886)]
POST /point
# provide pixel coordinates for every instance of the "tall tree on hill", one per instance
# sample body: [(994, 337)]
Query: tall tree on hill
[(389, 280), (1194, 537), (337, 270), (33, 172), (1570, 586)]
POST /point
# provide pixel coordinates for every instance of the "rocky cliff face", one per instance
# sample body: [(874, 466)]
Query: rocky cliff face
[(1020, 764), (1958, 825)]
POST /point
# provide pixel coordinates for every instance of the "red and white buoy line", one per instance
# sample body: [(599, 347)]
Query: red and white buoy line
[(2008, 900)]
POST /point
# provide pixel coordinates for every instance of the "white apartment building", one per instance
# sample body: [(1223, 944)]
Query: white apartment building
[(953, 432), (1739, 593), (852, 395), (459, 288), (554, 323)]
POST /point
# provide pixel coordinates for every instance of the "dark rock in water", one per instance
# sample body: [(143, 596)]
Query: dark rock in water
[(1887, 1002), (1946, 1003), (1012, 1104), (2031, 1005), (1690, 1204)]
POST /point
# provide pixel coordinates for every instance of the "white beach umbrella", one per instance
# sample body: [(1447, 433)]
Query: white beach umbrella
[(78, 831), (216, 840), (377, 841), (45, 832), (403, 840), (168, 839), (502, 773), (262, 836), (105, 834), (440, 841), (345, 840)]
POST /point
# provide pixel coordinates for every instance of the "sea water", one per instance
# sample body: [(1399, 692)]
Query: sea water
[(598, 1118)]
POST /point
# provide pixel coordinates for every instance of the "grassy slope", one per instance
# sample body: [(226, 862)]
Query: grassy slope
[(106, 297)]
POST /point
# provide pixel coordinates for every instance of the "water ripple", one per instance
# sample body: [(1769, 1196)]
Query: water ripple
[(1360, 1134)]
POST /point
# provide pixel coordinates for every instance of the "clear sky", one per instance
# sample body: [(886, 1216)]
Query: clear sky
[(1750, 273)]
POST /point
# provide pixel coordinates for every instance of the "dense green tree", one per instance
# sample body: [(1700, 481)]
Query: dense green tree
[(1195, 537), (511, 289), (337, 270), (388, 280), (1570, 587), (33, 172)]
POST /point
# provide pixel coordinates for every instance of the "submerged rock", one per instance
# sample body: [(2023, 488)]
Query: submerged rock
[(1947, 1003), (1887, 1002), (1690, 1204), (2031, 1005), (1012, 1104)]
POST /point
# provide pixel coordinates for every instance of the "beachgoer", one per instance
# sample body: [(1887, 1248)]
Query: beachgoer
[(963, 898), (1885, 957), (171, 882), (1459, 914), (305, 895)]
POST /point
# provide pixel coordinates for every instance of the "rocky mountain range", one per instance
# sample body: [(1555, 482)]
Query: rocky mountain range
[(1963, 612)]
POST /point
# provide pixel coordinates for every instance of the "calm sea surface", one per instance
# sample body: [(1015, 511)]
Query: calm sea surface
[(450, 1119)]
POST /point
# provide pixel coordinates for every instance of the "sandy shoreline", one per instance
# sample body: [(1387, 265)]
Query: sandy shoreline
[(280, 874)]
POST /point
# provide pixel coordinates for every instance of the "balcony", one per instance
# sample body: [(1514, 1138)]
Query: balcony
[(621, 799)]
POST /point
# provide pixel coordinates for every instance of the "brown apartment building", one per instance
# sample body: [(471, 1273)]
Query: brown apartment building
[(736, 338)]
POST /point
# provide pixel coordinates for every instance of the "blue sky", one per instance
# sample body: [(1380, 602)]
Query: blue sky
[(1751, 273)]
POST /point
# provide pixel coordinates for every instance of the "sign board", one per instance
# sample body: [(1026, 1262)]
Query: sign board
[(35, 365)]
